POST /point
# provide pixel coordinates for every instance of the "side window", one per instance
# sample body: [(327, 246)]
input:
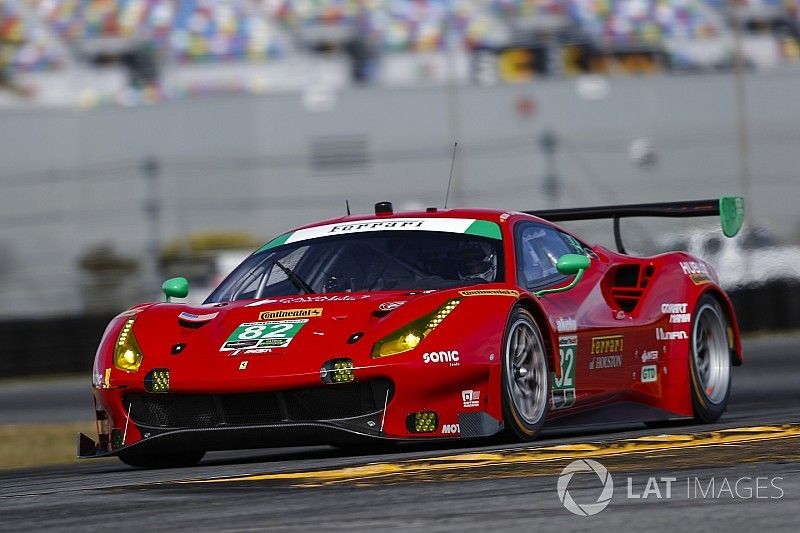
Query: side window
[(538, 249)]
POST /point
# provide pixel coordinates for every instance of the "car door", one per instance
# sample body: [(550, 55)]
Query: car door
[(589, 364)]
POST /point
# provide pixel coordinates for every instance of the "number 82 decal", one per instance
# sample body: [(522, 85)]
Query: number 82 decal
[(563, 386), (263, 335)]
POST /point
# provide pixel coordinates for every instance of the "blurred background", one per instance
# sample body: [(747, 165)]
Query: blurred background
[(143, 139)]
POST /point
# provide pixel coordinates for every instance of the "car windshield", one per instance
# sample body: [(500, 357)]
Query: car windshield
[(374, 261)]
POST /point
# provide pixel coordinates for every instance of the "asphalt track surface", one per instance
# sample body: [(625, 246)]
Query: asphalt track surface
[(473, 486)]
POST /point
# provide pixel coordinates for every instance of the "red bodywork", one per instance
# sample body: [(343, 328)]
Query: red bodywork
[(465, 394)]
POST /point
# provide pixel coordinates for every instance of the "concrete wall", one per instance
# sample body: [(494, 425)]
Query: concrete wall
[(72, 178)]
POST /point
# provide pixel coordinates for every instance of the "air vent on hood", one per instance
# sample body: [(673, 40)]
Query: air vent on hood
[(194, 321)]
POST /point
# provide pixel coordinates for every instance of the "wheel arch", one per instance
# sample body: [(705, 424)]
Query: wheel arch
[(734, 335), (540, 317)]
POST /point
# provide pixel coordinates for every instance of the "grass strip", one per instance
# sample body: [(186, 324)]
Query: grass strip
[(27, 445)]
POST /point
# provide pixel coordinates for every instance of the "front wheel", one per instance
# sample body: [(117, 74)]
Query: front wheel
[(164, 460), (710, 361), (525, 379)]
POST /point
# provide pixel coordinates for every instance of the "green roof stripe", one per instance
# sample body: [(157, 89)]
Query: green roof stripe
[(277, 241), (485, 228)]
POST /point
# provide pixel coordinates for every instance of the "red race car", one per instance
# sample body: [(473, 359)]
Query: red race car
[(454, 323)]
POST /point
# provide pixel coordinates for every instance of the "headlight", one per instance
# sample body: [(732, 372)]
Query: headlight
[(127, 354), (409, 337)]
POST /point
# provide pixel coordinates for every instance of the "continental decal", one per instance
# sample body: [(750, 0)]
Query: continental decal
[(606, 345), (490, 292), (291, 313)]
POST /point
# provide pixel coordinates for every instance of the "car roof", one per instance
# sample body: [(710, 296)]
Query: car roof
[(492, 215)]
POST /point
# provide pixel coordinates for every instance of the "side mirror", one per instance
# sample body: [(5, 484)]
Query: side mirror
[(175, 288), (568, 264)]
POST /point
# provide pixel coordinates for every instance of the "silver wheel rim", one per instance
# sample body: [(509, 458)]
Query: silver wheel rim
[(526, 371), (712, 361)]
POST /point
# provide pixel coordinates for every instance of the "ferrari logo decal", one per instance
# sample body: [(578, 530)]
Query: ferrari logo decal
[(243, 365)]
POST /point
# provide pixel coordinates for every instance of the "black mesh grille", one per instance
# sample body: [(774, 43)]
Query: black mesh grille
[(256, 408)]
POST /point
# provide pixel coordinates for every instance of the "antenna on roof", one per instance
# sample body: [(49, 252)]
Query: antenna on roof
[(450, 181), (347, 205)]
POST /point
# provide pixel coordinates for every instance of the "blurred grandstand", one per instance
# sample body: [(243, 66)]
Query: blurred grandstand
[(169, 48), (88, 198)]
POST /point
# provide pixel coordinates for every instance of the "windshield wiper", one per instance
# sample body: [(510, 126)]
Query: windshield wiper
[(294, 278)]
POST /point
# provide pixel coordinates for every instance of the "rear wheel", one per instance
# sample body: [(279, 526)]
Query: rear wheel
[(164, 460), (525, 384), (710, 361)]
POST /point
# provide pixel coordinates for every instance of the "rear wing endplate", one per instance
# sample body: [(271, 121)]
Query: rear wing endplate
[(729, 208)]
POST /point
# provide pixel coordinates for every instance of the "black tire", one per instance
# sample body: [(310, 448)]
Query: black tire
[(163, 460), (709, 360), (525, 393)]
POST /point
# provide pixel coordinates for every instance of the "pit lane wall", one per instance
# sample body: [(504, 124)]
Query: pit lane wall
[(71, 179)]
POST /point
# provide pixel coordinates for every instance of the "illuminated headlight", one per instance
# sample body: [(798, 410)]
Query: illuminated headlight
[(409, 337), (422, 422), (157, 380), (337, 371), (127, 354)]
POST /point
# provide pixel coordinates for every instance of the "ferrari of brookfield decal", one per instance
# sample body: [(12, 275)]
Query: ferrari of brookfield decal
[(277, 334)]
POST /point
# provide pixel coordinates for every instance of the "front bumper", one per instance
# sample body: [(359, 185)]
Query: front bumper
[(343, 431)]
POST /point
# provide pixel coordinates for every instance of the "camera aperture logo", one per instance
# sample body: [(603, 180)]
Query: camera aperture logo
[(585, 466), (659, 488)]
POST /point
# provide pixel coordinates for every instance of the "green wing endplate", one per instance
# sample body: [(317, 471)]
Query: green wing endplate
[(731, 214)]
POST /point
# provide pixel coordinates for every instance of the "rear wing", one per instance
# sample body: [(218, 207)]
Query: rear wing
[(729, 208)]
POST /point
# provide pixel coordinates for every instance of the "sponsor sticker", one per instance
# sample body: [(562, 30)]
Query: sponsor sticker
[(313, 298), (662, 335), (678, 313), (605, 361), (102, 380), (451, 429), (606, 345), (651, 355), (251, 335), (450, 357), (470, 398), (390, 306), (694, 267), (562, 388), (489, 292), (291, 313), (566, 325), (697, 271), (469, 226), (649, 374)]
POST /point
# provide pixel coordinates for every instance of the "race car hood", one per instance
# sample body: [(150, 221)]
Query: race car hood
[(273, 338)]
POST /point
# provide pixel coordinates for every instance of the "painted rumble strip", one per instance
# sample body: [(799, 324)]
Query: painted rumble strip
[(476, 460)]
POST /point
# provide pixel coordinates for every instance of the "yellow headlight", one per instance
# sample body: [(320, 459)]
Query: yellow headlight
[(410, 336), (127, 354)]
